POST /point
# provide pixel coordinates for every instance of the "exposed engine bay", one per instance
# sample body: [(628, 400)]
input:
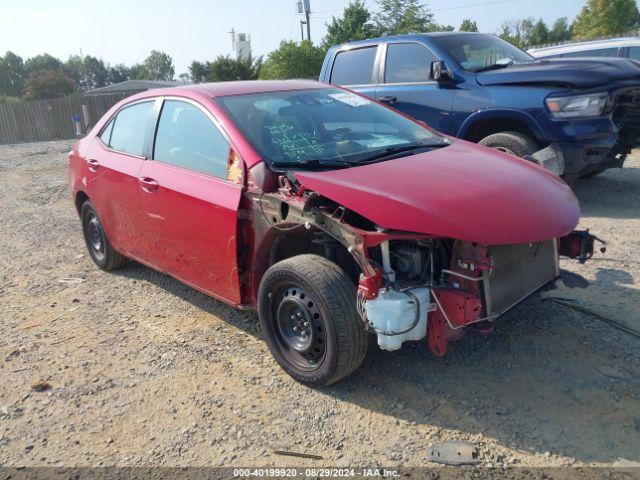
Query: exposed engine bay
[(411, 286)]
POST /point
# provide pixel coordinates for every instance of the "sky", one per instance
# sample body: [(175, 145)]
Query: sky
[(125, 31)]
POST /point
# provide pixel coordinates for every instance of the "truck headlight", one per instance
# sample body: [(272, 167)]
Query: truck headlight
[(590, 105)]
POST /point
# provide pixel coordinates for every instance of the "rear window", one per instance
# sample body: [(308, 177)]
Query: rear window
[(407, 63), (354, 67), (130, 128)]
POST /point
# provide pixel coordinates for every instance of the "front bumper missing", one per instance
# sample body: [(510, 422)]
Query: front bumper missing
[(574, 160)]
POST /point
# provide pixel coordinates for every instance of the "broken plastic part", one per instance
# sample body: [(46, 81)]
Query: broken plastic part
[(454, 453)]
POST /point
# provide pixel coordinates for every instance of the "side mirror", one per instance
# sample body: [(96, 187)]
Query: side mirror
[(439, 72)]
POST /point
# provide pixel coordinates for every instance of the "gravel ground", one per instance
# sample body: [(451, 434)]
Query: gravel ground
[(146, 371)]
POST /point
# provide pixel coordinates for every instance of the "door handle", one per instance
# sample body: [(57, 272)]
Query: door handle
[(389, 99), (93, 164), (147, 184)]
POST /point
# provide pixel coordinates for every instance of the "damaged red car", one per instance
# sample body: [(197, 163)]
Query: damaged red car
[(331, 215)]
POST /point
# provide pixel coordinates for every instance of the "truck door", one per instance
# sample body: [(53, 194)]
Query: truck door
[(406, 84)]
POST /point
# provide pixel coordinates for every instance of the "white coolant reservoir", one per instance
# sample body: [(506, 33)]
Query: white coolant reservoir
[(394, 311)]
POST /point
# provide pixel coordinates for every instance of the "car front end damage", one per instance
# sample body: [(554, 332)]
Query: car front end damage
[(410, 286), (604, 141)]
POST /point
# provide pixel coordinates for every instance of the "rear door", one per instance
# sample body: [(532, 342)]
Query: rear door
[(406, 84), (114, 162), (357, 69), (189, 207)]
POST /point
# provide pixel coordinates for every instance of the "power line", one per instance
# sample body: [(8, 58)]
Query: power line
[(473, 5)]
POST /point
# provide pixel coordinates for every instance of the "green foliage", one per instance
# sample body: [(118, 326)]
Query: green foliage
[(605, 17), (42, 62), (12, 75), (157, 66), (517, 32), (468, 25), (403, 16), (560, 31), (118, 73), (293, 60), (88, 72), (539, 34), (225, 68), (355, 24), (48, 84)]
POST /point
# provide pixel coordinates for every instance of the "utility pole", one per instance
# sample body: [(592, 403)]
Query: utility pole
[(304, 7)]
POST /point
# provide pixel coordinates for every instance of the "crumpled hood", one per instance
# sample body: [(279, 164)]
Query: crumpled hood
[(464, 191), (573, 72)]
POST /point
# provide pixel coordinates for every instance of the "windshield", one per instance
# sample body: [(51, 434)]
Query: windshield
[(322, 126), (481, 52)]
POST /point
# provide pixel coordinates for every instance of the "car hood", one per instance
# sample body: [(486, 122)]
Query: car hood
[(571, 72), (464, 191)]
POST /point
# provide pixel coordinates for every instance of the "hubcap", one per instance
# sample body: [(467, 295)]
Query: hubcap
[(95, 235), (299, 328)]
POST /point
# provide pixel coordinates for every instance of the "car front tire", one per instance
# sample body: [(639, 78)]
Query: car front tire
[(307, 311), (514, 143)]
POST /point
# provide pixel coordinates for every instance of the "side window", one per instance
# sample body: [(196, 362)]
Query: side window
[(602, 52), (407, 63), (129, 128), (634, 53), (105, 136), (354, 67), (187, 138)]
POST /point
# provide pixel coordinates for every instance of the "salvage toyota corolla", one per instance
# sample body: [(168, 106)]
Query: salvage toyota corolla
[(331, 215)]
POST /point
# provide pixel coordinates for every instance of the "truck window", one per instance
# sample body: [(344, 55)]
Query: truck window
[(634, 53), (354, 67), (407, 63)]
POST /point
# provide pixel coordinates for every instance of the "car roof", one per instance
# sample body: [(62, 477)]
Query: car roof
[(586, 46), (407, 36), (243, 87)]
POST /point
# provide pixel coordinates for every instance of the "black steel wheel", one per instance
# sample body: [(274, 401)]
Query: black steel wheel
[(100, 250), (308, 315)]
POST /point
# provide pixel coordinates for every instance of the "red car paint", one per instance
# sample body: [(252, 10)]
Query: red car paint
[(187, 224), (465, 191)]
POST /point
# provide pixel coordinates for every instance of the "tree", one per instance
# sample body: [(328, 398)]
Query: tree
[(42, 62), (225, 68), (293, 60), (560, 31), (539, 33), (139, 72), (468, 25), (355, 24), (12, 75), (118, 73), (517, 32), (605, 17), (403, 16), (88, 72), (48, 84), (157, 66)]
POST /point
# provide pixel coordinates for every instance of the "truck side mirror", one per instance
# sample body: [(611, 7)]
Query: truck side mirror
[(439, 72)]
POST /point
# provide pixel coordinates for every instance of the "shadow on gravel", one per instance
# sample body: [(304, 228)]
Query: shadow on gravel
[(612, 194), (547, 380)]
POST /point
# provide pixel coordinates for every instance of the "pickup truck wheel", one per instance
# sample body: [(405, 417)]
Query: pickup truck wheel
[(307, 311), (514, 143), (100, 250)]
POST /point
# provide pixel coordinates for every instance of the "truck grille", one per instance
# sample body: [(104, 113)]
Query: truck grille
[(518, 271)]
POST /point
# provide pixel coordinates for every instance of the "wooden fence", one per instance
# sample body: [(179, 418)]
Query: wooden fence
[(41, 120)]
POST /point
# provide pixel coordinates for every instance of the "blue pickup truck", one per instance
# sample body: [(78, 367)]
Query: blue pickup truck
[(577, 117)]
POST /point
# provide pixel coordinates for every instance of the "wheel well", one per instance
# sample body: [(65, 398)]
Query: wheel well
[(318, 242), (488, 126), (81, 197)]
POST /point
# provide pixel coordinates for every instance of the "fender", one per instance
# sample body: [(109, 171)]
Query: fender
[(501, 113)]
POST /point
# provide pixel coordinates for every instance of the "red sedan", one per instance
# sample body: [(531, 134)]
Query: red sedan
[(330, 214)]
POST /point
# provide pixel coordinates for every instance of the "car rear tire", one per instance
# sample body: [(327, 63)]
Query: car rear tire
[(307, 311), (514, 143), (100, 250)]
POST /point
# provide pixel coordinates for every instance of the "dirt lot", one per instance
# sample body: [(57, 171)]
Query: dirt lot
[(146, 371)]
